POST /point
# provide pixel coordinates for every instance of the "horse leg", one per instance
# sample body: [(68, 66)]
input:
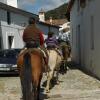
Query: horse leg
[(36, 89), (49, 77), (57, 77), (38, 92)]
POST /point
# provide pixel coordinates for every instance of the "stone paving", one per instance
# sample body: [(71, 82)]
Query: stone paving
[(74, 85)]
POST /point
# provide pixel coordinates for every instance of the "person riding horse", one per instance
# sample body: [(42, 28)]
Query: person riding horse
[(33, 37), (54, 61), (64, 40), (31, 62), (52, 43)]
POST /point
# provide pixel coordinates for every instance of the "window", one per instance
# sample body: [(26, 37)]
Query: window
[(8, 17), (82, 3), (92, 32)]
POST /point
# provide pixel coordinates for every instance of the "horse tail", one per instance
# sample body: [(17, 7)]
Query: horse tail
[(27, 78)]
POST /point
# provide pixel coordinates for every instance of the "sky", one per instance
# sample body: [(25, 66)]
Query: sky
[(34, 6)]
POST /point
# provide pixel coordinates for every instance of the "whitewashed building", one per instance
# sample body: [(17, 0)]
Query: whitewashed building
[(13, 3), (12, 23), (85, 33)]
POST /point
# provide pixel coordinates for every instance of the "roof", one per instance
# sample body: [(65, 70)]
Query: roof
[(48, 24), (23, 12), (57, 22), (17, 10)]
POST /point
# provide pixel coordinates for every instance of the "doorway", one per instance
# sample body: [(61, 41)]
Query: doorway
[(10, 42), (79, 44)]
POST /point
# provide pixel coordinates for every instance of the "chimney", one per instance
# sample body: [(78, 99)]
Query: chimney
[(42, 15)]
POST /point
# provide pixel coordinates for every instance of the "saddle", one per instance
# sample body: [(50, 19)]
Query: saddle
[(56, 49), (32, 45)]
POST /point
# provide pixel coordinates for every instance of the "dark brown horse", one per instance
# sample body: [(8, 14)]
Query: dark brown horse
[(66, 54), (30, 64)]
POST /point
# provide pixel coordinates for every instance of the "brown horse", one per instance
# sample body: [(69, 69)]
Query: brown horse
[(30, 64), (66, 54)]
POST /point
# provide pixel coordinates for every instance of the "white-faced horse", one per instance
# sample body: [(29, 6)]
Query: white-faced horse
[(53, 63)]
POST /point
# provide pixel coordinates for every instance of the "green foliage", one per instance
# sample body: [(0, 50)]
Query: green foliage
[(57, 13)]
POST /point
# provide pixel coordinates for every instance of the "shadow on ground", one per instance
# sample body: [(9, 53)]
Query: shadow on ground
[(73, 66), (53, 83)]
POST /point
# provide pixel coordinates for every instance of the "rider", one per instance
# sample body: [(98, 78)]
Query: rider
[(63, 40), (52, 42), (32, 34), (63, 37), (33, 37)]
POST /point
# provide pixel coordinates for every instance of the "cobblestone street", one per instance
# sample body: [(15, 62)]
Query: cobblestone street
[(74, 85)]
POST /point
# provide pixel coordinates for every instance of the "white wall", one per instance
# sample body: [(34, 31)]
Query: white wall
[(16, 28), (89, 58), (93, 55), (74, 22), (12, 3)]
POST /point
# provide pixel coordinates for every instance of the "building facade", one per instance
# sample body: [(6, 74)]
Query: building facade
[(12, 24), (84, 22), (13, 3)]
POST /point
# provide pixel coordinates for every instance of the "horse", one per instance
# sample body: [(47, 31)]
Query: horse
[(66, 54), (30, 65), (54, 62)]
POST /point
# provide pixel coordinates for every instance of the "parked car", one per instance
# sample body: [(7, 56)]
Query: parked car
[(8, 58)]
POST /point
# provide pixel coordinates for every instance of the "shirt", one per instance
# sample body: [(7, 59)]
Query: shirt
[(52, 41), (63, 37)]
